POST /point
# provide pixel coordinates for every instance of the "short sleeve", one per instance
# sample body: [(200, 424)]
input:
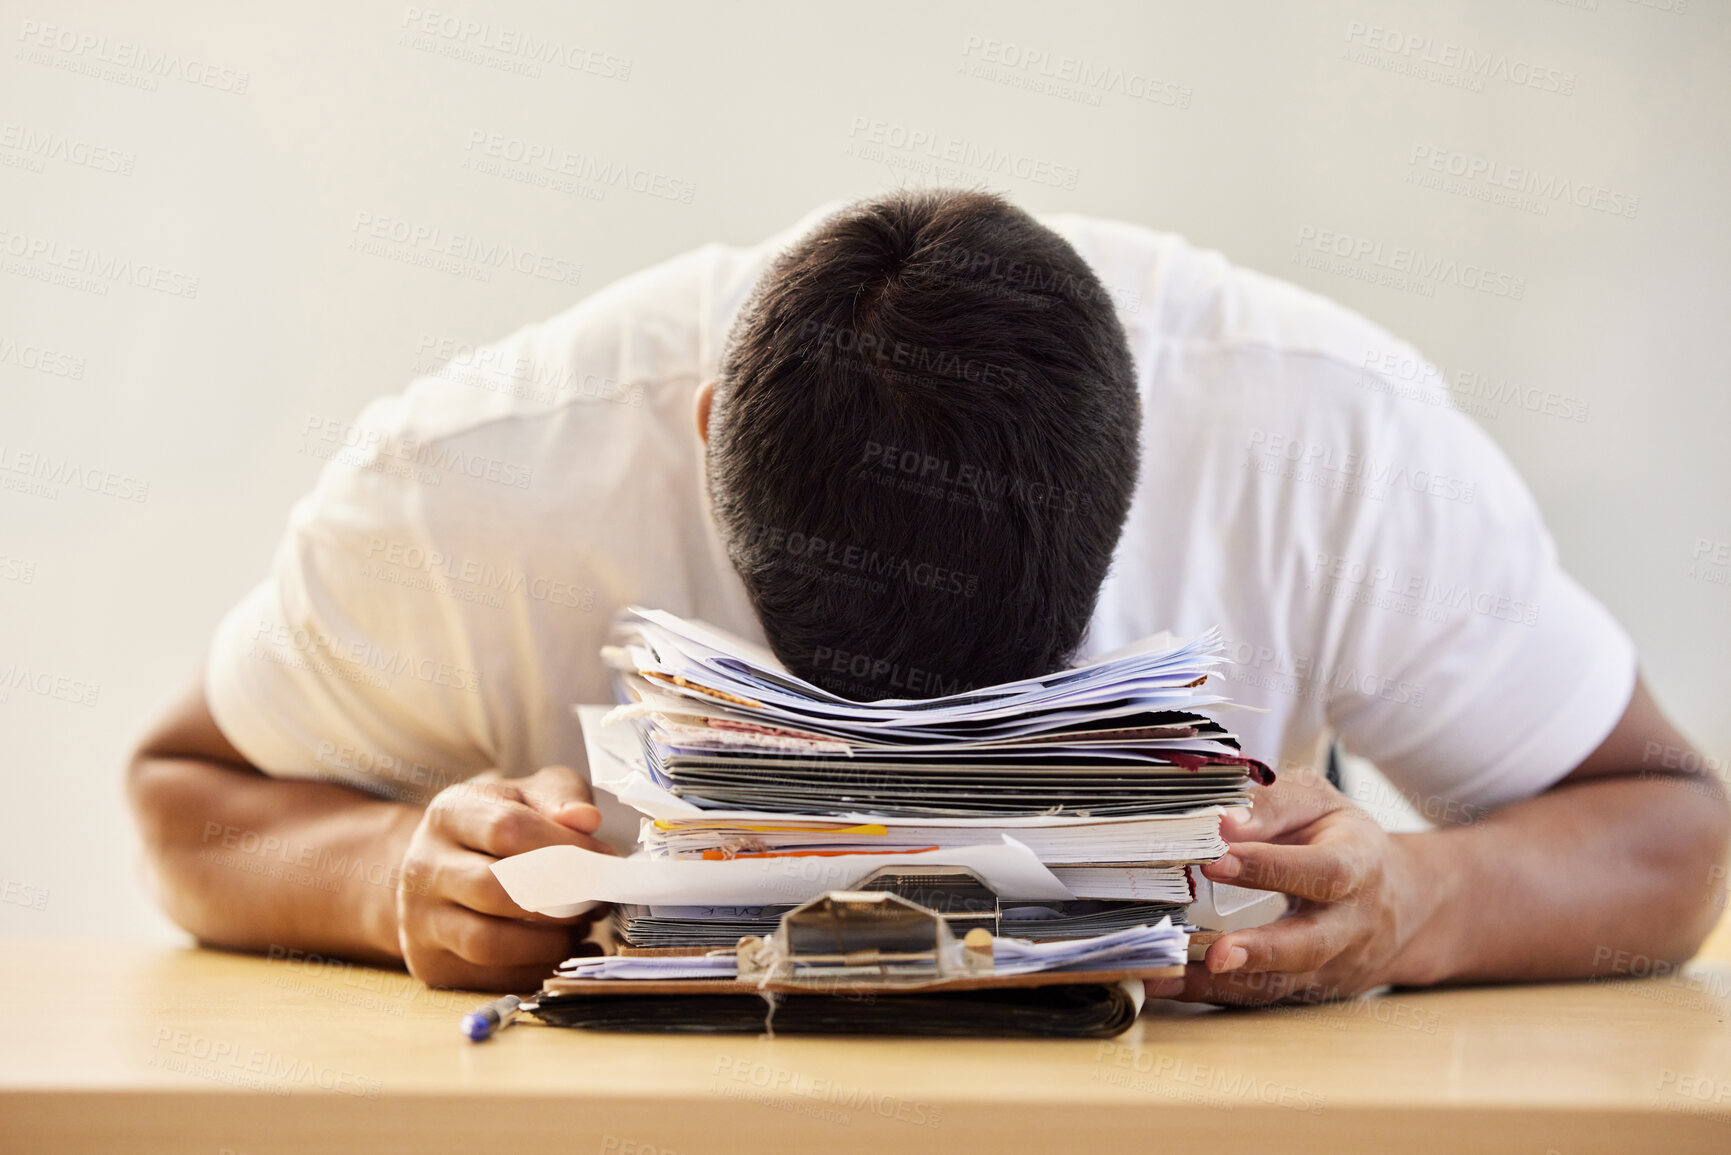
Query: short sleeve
[(336, 666), (439, 600), (1463, 660)]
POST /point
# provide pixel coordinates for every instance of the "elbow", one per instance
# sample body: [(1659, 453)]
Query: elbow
[(164, 791), (149, 788), (1718, 854), (1699, 879), (157, 792), (146, 795), (180, 780)]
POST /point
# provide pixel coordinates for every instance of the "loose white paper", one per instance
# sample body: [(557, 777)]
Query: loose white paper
[(1160, 945), (1221, 906), (560, 881), (614, 966)]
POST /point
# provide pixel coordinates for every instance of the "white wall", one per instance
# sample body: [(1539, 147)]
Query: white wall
[(1263, 124)]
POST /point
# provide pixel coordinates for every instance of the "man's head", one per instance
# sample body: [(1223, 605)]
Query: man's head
[(923, 445)]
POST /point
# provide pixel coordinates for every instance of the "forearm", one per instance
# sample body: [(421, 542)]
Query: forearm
[(248, 861), (1552, 887)]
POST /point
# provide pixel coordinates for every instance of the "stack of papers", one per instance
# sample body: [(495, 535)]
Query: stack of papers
[(1173, 838), (687, 927), (724, 726), (1079, 798), (1159, 945), (1060, 814)]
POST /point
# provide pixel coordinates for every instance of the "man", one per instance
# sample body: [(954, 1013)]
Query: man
[(941, 444)]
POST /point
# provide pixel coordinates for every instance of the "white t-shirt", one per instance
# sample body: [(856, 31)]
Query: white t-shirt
[(438, 600)]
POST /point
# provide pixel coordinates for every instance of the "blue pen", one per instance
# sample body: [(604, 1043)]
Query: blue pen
[(482, 1024)]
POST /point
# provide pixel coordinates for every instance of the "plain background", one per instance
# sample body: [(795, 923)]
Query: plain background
[(1252, 128)]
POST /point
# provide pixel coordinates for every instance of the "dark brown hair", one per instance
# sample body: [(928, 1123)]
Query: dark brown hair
[(923, 446)]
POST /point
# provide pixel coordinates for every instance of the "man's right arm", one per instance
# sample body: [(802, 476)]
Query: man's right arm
[(245, 860)]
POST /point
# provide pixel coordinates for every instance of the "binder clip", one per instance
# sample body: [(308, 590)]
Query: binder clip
[(848, 937)]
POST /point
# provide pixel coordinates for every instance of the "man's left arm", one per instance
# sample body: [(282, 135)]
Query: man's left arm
[(1622, 859)]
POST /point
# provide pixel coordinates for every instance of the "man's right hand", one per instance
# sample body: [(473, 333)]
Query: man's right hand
[(455, 924)]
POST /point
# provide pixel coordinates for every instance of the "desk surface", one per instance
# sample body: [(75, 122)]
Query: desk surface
[(144, 1049)]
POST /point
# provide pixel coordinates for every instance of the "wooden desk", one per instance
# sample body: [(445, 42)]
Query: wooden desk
[(114, 1048)]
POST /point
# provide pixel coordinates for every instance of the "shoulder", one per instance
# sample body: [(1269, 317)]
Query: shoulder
[(1172, 293), (619, 355)]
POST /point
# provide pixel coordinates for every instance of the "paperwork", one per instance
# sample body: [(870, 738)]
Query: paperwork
[(1172, 839), (692, 927), (1159, 945), (1078, 798), (560, 880), (725, 728)]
